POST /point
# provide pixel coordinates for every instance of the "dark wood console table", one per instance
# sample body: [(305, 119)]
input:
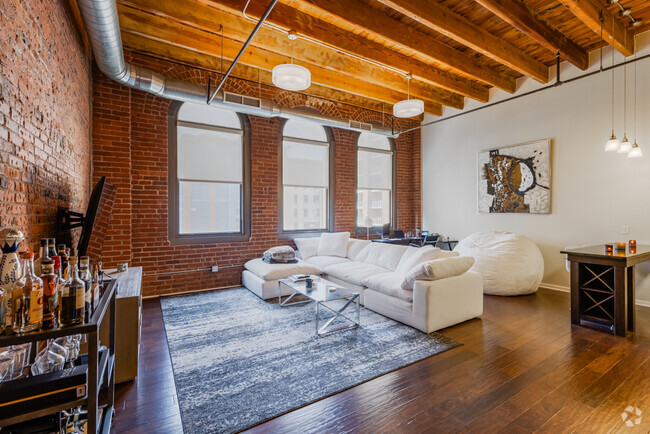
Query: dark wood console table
[(602, 287)]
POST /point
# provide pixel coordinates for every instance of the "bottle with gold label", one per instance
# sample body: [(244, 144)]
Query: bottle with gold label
[(73, 297), (28, 298)]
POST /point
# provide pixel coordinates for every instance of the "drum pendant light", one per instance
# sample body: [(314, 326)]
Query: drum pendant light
[(288, 76), (409, 107)]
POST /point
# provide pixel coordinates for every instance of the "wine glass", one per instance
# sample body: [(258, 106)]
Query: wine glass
[(6, 367)]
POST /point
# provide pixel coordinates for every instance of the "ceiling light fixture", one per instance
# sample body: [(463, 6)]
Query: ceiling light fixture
[(635, 152), (409, 107), (613, 144), (288, 76), (626, 146)]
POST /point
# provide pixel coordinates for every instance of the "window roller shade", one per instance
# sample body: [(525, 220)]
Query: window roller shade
[(305, 165), (205, 155), (374, 170)]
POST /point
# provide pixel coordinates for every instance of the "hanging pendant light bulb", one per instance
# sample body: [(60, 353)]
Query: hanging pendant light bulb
[(626, 146), (613, 144), (409, 107), (288, 76), (635, 152)]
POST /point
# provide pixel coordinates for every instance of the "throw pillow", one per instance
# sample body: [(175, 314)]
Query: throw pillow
[(335, 244), (417, 255), (438, 269), (307, 247)]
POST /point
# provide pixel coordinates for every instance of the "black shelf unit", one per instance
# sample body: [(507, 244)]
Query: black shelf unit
[(101, 367)]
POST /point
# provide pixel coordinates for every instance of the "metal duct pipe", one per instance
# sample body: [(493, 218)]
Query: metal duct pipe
[(103, 28)]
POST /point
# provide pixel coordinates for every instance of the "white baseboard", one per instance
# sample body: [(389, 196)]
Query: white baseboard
[(555, 287), (193, 291), (560, 288)]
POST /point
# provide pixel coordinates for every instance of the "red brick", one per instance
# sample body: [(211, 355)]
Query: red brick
[(45, 89), (134, 158)]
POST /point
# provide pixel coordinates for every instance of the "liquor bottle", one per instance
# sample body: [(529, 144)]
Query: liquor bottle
[(95, 287), (51, 247), (10, 269), (72, 297), (64, 260), (50, 293), (84, 274), (68, 270), (41, 253), (28, 298)]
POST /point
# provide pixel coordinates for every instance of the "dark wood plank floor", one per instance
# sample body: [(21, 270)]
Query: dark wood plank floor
[(522, 368)]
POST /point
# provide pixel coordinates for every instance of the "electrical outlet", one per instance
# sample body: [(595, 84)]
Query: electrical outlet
[(215, 268), (625, 229)]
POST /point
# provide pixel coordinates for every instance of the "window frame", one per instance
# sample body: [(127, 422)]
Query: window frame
[(173, 232), (376, 230), (331, 192)]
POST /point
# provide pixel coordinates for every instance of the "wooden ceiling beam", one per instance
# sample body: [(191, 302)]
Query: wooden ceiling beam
[(207, 18), (614, 31), (515, 13), (171, 53), (459, 28), (390, 30), (162, 30), (319, 30)]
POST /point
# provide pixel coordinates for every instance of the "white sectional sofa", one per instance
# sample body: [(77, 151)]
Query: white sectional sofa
[(425, 288)]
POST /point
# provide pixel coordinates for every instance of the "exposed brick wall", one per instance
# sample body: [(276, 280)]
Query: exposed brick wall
[(45, 110), (130, 148)]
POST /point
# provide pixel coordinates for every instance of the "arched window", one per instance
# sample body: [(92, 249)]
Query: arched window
[(306, 182), (375, 180), (209, 174)]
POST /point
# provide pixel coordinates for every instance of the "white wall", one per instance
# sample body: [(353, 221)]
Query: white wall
[(593, 192)]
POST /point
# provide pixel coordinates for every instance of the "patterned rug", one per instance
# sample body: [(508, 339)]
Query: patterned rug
[(239, 360)]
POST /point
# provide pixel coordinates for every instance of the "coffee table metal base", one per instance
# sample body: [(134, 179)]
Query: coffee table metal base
[(325, 329), (352, 324)]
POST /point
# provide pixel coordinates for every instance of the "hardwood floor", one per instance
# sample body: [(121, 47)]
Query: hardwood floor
[(522, 368)]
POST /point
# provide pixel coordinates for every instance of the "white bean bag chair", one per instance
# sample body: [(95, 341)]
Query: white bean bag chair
[(510, 264)]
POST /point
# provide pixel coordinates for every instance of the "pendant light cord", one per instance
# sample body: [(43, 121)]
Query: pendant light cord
[(625, 93), (635, 98)]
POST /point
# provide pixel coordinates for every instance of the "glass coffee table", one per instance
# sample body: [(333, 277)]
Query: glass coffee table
[(324, 294)]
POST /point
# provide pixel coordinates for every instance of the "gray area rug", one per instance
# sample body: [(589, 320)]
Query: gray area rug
[(239, 360)]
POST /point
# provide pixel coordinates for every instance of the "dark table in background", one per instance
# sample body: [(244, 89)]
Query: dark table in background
[(602, 287), (449, 244), (401, 241)]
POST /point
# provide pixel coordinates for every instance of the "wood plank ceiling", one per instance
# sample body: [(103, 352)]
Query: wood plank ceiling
[(359, 51)]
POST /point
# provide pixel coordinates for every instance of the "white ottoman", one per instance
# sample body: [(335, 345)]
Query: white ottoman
[(510, 264), (261, 278)]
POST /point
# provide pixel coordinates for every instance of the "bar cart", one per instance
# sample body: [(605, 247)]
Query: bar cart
[(100, 385)]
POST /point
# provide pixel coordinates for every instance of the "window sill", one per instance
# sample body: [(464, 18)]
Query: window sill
[(302, 234), (184, 240)]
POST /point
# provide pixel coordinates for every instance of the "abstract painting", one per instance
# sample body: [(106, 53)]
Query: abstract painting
[(516, 179)]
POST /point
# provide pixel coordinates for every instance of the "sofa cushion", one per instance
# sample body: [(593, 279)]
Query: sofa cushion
[(415, 256), (335, 244), (323, 261), (448, 254), (438, 269), (355, 246), (307, 247), (279, 271), (382, 255), (353, 271), (389, 284)]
